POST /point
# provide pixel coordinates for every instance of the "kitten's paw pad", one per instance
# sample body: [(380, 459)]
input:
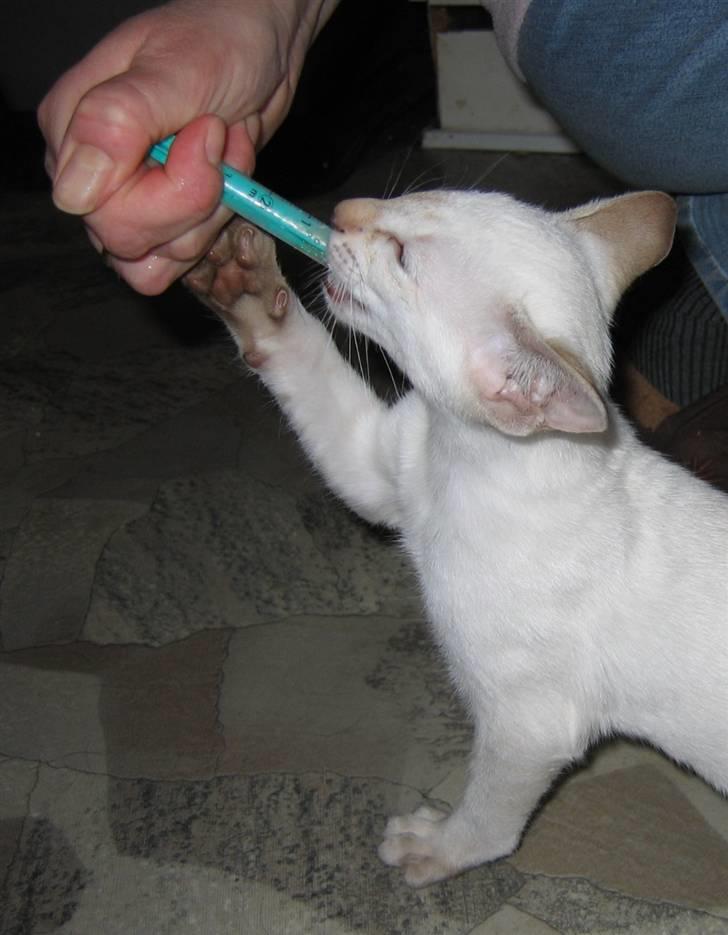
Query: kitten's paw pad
[(414, 843), (241, 280), (242, 261)]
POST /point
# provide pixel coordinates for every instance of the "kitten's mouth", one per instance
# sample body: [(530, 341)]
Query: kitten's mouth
[(340, 295)]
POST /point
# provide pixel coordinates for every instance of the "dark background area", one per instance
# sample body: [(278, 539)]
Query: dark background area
[(368, 83)]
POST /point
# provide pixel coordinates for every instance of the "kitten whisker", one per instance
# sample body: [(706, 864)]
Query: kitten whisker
[(393, 182), (425, 179), (475, 186), (366, 359), (356, 337), (398, 393)]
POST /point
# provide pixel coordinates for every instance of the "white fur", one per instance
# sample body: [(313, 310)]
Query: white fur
[(577, 583)]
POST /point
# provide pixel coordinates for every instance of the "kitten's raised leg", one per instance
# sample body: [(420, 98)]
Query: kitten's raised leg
[(345, 428), (509, 772), (240, 280)]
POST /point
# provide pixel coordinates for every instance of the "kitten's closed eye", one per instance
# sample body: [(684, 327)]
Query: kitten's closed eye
[(398, 247)]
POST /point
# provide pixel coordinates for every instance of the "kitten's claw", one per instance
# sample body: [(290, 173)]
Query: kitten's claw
[(415, 843), (241, 280)]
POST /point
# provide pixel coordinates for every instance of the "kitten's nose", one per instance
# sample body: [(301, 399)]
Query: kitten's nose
[(356, 213)]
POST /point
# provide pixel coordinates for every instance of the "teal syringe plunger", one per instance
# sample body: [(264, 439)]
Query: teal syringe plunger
[(261, 207)]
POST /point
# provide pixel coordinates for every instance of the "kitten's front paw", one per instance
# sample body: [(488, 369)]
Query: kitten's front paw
[(240, 279), (415, 843)]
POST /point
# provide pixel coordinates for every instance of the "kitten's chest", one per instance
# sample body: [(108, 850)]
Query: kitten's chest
[(469, 563), (455, 530), (480, 543)]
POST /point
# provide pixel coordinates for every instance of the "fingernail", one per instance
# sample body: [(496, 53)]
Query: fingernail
[(77, 188), (215, 143)]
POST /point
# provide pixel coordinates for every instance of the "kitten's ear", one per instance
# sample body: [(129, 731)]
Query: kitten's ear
[(634, 231), (526, 386)]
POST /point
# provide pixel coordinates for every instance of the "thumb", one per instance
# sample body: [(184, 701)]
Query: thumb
[(107, 138)]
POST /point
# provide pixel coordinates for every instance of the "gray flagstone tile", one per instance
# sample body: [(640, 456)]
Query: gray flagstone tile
[(49, 573), (226, 550)]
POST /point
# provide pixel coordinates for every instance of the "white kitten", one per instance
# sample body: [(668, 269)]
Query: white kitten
[(576, 581)]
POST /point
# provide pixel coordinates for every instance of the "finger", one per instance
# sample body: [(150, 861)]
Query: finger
[(155, 258), (149, 275), (107, 139), (106, 112), (113, 56), (243, 139), (160, 203), (154, 272), (196, 243)]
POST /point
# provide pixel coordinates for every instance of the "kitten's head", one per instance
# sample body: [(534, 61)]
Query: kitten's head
[(497, 310)]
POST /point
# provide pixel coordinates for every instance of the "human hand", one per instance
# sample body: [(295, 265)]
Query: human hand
[(223, 72)]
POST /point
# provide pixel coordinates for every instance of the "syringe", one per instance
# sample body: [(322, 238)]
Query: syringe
[(260, 206)]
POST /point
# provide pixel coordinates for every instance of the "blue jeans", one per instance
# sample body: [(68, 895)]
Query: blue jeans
[(642, 87)]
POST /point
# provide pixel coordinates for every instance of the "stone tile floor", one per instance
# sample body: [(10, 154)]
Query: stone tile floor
[(216, 682)]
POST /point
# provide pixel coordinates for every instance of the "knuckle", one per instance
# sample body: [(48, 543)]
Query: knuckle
[(190, 247), (150, 278), (117, 109), (198, 197), (122, 240)]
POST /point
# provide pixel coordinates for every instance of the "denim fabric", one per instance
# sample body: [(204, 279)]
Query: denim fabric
[(642, 87)]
